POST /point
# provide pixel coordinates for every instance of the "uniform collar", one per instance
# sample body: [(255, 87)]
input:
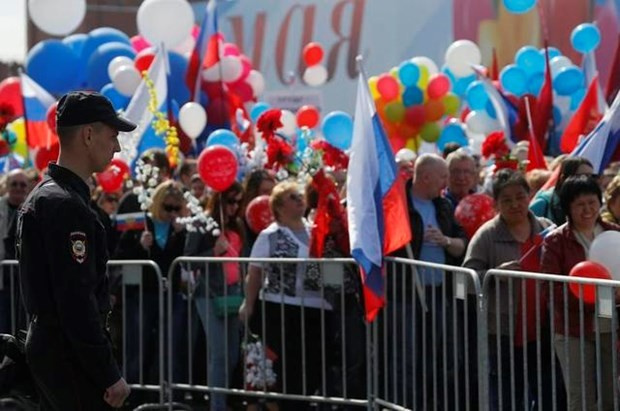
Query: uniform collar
[(63, 175)]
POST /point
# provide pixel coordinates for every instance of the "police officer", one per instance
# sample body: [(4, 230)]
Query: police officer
[(61, 247)]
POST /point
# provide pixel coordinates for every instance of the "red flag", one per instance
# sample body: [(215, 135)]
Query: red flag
[(613, 83), (494, 72), (205, 53), (583, 120), (536, 159), (396, 218), (544, 106)]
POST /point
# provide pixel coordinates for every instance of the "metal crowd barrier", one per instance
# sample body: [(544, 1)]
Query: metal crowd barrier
[(147, 371), (548, 349), (332, 371), (426, 357)]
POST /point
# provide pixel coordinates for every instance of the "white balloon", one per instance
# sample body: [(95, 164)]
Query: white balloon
[(231, 68), (289, 123), (213, 73), (604, 250), (118, 62), (426, 62), (480, 122), (165, 21), (58, 17), (558, 63), (315, 75), (461, 55), (257, 82), (126, 80), (193, 119)]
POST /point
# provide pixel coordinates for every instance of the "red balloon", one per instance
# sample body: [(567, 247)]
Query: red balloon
[(307, 116), (587, 269), (111, 179), (313, 54), (258, 214), (143, 59), (388, 87), (46, 155), (415, 116), (243, 90), (438, 86), (11, 94), (217, 166), (473, 211), (51, 117)]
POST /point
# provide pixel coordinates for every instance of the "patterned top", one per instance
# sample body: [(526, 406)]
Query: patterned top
[(290, 283)]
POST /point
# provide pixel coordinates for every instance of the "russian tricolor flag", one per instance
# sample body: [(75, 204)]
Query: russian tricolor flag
[(206, 51), (36, 103), (376, 205)]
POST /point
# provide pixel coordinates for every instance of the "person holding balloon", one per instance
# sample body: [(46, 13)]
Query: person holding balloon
[(290, 296), (576, 341), (504, 242), (218, 289)]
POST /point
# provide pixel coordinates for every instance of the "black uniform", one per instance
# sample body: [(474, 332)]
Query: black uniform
[(62, 252)]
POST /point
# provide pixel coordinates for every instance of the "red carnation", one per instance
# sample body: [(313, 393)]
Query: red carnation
[(332, 156), (269, 122), (495, 145), (279, 153)]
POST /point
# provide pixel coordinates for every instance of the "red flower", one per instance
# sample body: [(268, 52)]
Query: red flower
[(495, 145), (332, 156), (279, 153), (269, 122)]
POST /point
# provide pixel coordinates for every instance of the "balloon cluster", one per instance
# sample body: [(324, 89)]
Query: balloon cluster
[(315, 73)]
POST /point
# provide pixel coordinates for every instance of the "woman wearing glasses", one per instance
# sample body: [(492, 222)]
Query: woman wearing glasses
[(162, 240), (291, 298), (218, 289)]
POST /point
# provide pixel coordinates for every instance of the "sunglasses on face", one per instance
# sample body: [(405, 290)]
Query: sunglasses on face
[(19, 184), (111, 199), (171, 208)]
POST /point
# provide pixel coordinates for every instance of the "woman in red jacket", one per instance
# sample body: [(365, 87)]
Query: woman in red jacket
[(580, 198)]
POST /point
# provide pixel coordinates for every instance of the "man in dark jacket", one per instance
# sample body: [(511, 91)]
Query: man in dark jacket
[(61, 246), (436, 238)]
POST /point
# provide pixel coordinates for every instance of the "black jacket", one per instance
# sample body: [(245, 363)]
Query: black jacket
[(129, 248), (61, 247)]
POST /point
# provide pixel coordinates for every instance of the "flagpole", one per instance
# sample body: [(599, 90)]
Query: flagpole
[(416, 276)]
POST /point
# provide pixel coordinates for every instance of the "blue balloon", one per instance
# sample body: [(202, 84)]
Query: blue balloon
[(76, 42), (258, 109), (530, 60), (102, 35), (535, 82), (490, 109), (337, 128), (585, 38), (177, 88), (568, 80), (462, 83), (452, 133), (223, 137), (476, 96), (513, 79), (409, 73), (97, 68), (519, 6), (557, 115), (412, 96), (576, 98), (53, 65), (553, 52), (118, 100)]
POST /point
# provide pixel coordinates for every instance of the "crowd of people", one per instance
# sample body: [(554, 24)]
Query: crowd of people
[(270, 299)]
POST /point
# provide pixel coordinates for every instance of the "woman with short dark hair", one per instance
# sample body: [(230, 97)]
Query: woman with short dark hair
[(580, 199)]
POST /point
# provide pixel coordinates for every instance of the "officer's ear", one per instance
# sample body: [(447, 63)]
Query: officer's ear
[(87, 134)]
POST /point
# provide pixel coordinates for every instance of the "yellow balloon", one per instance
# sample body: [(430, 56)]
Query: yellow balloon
[(372, 84), (424, 76), (19, 128), (394, 73), (413, 144)]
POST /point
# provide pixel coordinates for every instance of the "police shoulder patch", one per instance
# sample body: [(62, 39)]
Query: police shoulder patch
[(78, 246)]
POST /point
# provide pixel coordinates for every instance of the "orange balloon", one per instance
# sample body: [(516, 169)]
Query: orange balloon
[(434, 110)]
